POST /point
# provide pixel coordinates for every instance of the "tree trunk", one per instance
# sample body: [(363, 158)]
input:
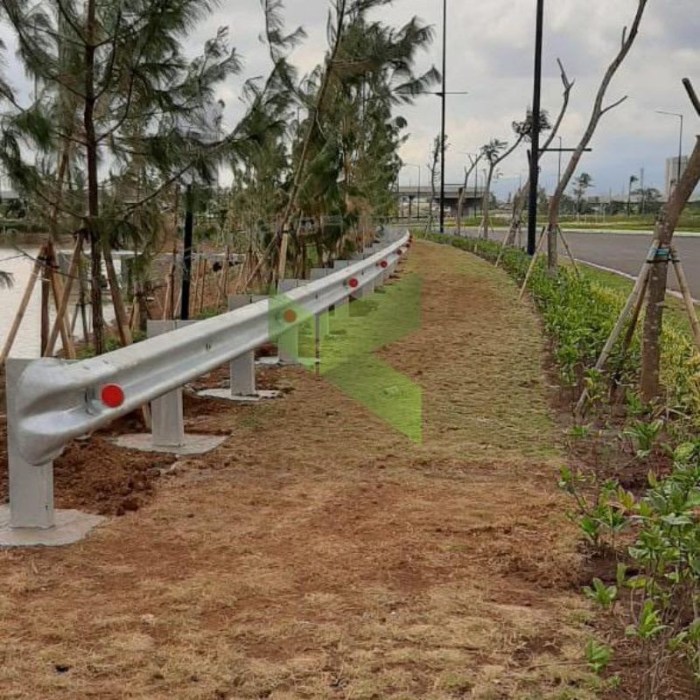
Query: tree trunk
[(653, 320), (313, 117), (597, 112), (520, 198), (460, 206), (463, 191), (91, 221), (486, 204)]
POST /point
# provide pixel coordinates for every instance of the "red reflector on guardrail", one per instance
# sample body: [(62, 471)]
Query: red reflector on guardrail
[(353, 283), (112, 395), (289, 316), (383, 264)]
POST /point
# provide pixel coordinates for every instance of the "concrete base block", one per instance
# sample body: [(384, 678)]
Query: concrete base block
[(271, 361), (71, 526), (260, 394), (192, 445)]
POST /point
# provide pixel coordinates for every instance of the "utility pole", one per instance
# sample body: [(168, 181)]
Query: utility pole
[(535, 136), (442, 128), (187, 255)]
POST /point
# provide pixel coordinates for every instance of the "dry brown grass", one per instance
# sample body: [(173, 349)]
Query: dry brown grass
[(319, 554)]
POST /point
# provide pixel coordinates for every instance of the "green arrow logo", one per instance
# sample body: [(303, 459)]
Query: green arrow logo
[(347, 341)]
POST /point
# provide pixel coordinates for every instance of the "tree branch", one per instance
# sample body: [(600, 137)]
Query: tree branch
[(613, 105)]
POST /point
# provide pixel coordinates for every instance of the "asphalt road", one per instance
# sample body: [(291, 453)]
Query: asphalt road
[(625, 252)]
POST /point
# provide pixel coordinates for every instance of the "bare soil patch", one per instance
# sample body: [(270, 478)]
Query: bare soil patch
[(320, 554)]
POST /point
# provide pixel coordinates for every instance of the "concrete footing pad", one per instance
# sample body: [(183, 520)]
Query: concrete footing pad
[(271, 361), (71, 526), (226, 395), (192, 445)]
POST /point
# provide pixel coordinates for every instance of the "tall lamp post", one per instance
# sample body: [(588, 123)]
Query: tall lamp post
[(535, 136), (442, 122), (680, 141), (442, 95), (415, 165)]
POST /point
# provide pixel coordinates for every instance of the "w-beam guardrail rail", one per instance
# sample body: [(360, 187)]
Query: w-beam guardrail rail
[(51, 401)]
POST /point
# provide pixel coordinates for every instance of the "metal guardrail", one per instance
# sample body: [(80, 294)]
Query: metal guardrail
[(56, 400), (51, 401)]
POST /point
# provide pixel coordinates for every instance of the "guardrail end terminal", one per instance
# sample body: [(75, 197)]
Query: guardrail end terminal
[(30, 519)]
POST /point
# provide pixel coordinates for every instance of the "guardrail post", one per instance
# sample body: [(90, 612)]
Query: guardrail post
[(167, 415), (324, 322), (242, 368), (31, 488), (30, 518), (78, 398), (342, 309), (288, 342), (167, 422)]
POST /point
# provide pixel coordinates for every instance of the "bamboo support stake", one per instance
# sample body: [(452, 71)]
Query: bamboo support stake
[(568, 251), (532, 263), (501, 251), (176, 309), (223, 281), (63, 305), (74, 320), (117, 299), (133, 315), (167, 311), (639, 285), (61, 320), (26, 297), (627, 341), (687, 297), (203, 282), (636, 312)]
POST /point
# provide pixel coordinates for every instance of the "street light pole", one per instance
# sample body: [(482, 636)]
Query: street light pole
[(535, 136), (680, 141), (442, 128)]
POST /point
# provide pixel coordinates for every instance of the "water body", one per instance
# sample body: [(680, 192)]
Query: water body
[(17, 259)]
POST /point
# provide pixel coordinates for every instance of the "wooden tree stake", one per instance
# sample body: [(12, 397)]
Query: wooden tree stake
[(687, 297), (532, 263), (639, 286), (63, 304), (26, 297)]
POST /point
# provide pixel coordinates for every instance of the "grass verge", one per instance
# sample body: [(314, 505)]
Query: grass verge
[(648, 538)]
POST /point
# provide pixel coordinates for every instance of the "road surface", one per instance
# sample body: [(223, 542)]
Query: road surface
[(625, 252)]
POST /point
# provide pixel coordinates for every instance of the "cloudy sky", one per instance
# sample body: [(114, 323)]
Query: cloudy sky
[(490, 47)]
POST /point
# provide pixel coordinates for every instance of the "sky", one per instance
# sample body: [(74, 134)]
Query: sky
[(490, 54)]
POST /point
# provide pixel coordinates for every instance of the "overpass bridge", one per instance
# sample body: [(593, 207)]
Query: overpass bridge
[(413, 200)]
